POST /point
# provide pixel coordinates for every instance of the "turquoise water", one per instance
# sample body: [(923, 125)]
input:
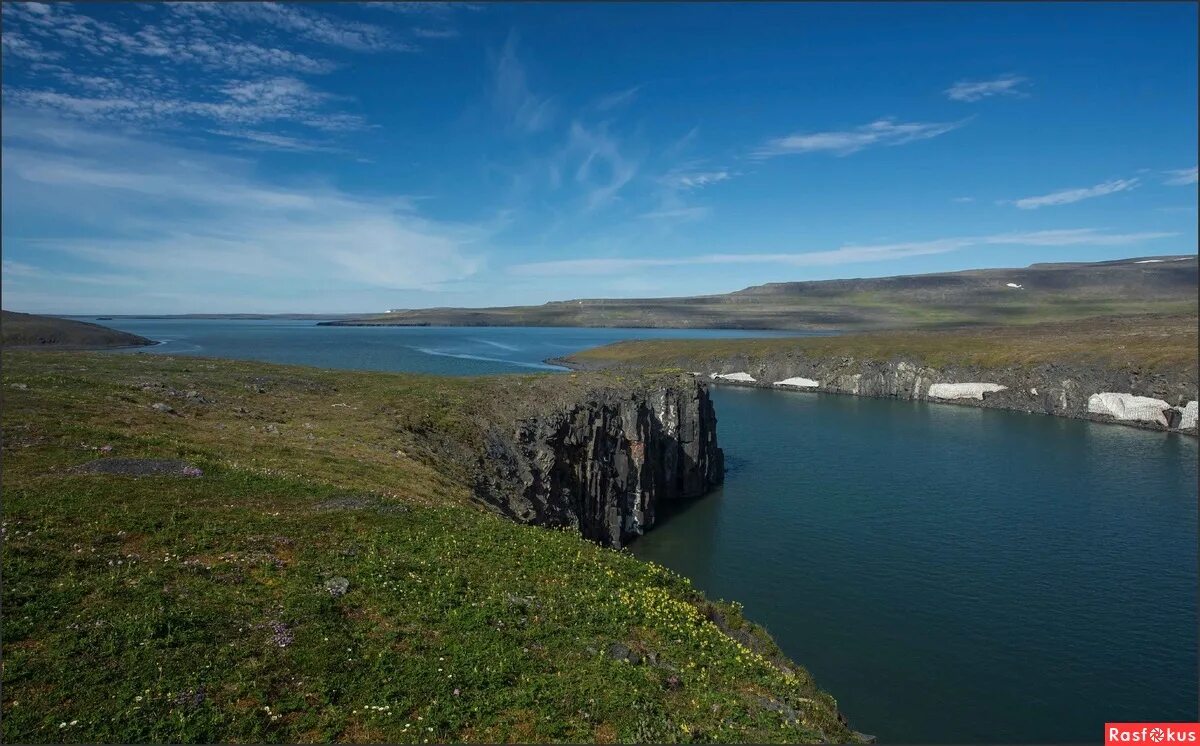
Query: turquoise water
[(950, 574)]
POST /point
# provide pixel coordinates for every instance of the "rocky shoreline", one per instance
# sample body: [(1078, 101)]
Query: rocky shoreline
[(1146, 400)]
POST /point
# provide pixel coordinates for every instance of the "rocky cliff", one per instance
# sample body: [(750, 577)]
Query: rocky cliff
[(1136, 370), (1126, 396), (604, 463)]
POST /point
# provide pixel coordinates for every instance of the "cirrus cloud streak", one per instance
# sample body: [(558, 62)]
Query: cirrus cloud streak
[(852, 254)]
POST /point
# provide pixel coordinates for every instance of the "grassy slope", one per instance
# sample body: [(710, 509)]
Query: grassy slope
[(1165, 343), (28, 330), (151, 609), (1050, 293)]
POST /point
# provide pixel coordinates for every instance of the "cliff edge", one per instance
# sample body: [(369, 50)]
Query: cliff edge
[(1138, 371), (603, 464)]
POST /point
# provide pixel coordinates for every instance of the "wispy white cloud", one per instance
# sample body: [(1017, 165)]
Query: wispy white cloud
[(522, 109), (844, 255), (276, 141), (183, 220), (226, 64), (602, 170), (1182, 176), (423, 8), (305, 22), (885, 131), (1067, 196), (677, 214), (616, 99), (15, 272), (1074, 237), (422, 32), (974, 90), (675, 190), (264, 100), (962, 200), (192, 34), (17, 45), (696, 179)]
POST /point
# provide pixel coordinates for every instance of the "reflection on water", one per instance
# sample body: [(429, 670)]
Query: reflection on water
[(955, 574)]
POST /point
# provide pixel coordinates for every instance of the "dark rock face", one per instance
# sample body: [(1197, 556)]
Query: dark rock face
[(603, 465), (1060, 390)]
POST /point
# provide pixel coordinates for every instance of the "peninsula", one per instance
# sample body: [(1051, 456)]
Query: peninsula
[(49, 332)]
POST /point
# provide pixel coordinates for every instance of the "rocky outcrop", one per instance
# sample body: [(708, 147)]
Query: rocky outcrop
[(1122, 395), (604, 464), (963, 390)]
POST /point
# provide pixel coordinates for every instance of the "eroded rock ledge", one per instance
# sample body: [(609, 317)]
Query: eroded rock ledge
[(605, 463), (1126, 396)]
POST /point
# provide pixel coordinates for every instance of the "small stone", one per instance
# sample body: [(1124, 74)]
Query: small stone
[(272, 428), (621, 652), (164, 408), (18, 386), (337, 587)]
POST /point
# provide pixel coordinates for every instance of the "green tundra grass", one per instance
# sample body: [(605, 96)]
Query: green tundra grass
[(1153, 343), (196, 608)]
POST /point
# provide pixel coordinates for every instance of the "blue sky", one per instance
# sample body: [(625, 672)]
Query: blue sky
[(357, 157)]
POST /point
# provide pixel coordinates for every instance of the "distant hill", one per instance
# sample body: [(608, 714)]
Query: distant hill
[(1040, 292), (28, 330)]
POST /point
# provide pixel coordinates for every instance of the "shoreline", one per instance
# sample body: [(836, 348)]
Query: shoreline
[(268, 457), (82, 348), (985, 401)]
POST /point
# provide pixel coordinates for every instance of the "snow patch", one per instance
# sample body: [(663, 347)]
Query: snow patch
[(1013, 285), (739, 376), (1188, 420), (800, 382), (1129, 407), (963, 390)]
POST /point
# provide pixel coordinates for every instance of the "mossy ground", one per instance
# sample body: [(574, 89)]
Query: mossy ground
[(190, 609), (1166, 343)]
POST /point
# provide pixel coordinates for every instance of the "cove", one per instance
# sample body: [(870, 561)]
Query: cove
[(954, 574), (950, 574)]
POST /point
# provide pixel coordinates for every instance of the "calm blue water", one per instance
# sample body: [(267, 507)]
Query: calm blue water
[(466, 351), (949, 574)]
